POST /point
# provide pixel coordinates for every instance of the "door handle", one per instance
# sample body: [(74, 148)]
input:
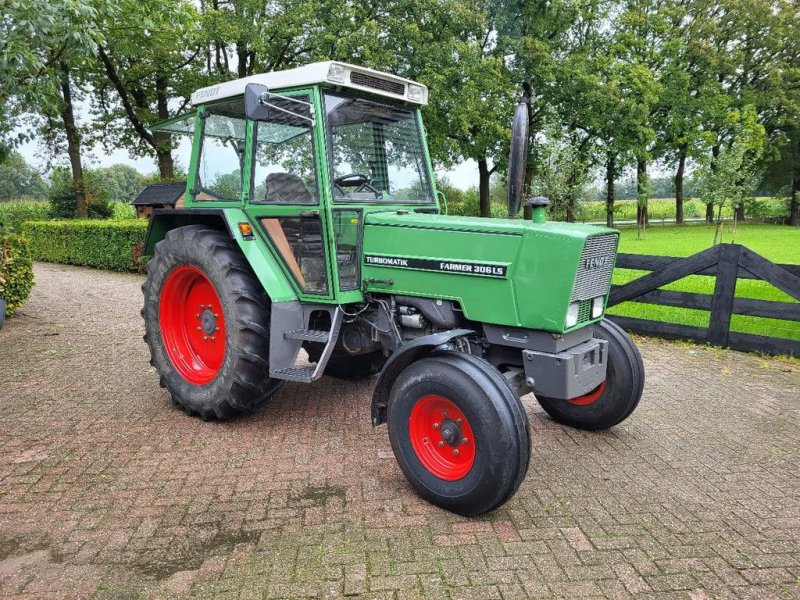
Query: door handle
[(307, 214)]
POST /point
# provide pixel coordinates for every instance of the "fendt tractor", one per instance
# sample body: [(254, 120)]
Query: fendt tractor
[(311, 240)]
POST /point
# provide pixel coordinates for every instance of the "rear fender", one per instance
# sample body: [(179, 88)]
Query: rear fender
[(402, 357), (263, 263)]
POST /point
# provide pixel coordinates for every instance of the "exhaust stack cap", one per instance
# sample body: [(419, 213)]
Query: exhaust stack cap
[(538, 206)]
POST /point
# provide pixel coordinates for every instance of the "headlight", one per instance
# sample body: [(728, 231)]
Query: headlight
[(572, 315), (415, 92), (337, 73), (597, 306)]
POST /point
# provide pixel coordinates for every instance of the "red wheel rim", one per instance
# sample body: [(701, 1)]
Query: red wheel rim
[(590, 397), (192, 324), (441, 437)]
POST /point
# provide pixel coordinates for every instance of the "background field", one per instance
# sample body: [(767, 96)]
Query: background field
[(778, 243), (663, 209)]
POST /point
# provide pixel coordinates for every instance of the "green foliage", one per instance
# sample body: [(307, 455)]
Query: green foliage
[(37, 37), (123, 212), (16, 271), (468, 205), (15, 212), (562, 176), (149, 55), (113, 245), (727, 177), (122, 183), (63, 202), (19, 180)]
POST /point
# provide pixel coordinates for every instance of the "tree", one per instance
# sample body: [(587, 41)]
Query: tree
[(42, 44), (144, 69), (772, 82), (122, 183), (19, 180), (727, 178), (561, 173), (685, 94)]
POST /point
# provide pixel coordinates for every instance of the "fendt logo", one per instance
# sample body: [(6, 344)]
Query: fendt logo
[(595, 263)]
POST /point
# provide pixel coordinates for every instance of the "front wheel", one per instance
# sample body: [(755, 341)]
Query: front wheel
[(459, 432), (614, 399)]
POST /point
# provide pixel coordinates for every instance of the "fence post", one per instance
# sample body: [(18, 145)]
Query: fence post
[(719, 324)]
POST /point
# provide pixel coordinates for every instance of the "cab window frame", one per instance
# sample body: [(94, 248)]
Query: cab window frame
[(205, 113), (414, 109), (317, 192)]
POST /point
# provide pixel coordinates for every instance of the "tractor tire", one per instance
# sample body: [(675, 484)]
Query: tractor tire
[(459, 432), (613, 400), (342, 365), (207, 324)]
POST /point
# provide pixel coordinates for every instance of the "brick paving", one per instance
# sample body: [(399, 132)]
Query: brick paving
[(108, 491)]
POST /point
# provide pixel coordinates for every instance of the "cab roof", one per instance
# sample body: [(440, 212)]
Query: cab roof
[(329, 72)]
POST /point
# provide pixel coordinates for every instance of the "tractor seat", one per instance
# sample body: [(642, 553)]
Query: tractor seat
[(287, 188)]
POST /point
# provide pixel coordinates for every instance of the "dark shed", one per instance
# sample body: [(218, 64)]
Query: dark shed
[(159, 195)]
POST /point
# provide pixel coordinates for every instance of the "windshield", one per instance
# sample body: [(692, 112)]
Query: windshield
[(376, 152)]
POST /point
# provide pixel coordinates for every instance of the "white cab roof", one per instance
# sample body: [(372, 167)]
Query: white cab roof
[(334, 73)]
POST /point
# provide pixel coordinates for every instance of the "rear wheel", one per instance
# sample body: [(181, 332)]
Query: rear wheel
[(459, 432), (207, 324), (615, 398)]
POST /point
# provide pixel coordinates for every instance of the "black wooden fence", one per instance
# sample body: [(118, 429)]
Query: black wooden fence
[(727, 262)]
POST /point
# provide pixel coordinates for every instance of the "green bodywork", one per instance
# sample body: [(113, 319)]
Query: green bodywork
[(539, 260)]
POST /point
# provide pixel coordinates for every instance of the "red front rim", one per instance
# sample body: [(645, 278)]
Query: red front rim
[(441, 437), (590, 397), (192, 324)]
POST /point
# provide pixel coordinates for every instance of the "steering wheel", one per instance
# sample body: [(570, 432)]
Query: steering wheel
[(356, 180)]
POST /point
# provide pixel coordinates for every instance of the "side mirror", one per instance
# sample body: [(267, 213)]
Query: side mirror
[(256, 105)]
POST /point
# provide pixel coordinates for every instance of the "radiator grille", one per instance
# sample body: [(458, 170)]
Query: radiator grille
[(584, 311), (377, 83), (594, 270)]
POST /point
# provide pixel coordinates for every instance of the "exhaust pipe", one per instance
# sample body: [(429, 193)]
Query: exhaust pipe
[(518, 154)]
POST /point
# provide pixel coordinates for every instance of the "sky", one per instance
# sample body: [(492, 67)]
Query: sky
[(463, 176)]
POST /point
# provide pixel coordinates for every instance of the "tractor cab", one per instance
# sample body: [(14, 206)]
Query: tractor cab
[(305, 153)]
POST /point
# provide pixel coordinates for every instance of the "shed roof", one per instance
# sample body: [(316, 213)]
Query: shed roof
[(160, 194)]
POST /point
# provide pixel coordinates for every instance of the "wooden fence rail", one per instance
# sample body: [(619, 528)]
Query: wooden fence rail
[(727, 263)]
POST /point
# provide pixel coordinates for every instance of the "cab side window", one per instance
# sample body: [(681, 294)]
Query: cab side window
[(219, 168), (284, 170)]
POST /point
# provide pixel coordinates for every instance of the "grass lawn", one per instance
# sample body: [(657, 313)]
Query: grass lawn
[(778, 243)]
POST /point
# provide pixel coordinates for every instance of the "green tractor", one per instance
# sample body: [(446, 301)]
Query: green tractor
[(310, 240)]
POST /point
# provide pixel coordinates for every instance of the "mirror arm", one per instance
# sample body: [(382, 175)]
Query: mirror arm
[(264, 101)]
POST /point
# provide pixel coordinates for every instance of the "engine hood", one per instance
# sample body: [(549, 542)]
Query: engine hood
[(502, 271)]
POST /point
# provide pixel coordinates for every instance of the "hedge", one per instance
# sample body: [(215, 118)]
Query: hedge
[(113, 245), (16, 272), (13, 213)]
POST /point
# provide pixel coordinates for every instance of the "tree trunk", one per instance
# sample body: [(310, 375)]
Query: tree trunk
[(740, 212), (709, 213), (679, 184), (571, 197), (243, 55), (641, 194), (794, 204), (709, 206), (483, 188), (611, 176), (163, 141), (73, 143)]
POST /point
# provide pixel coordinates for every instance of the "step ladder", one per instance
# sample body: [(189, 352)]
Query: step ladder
[(286, 342)]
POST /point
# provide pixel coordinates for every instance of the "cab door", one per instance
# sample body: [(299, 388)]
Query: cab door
[(285, 202)]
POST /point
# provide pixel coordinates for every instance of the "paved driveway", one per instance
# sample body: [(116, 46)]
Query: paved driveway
[(108, 491)]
